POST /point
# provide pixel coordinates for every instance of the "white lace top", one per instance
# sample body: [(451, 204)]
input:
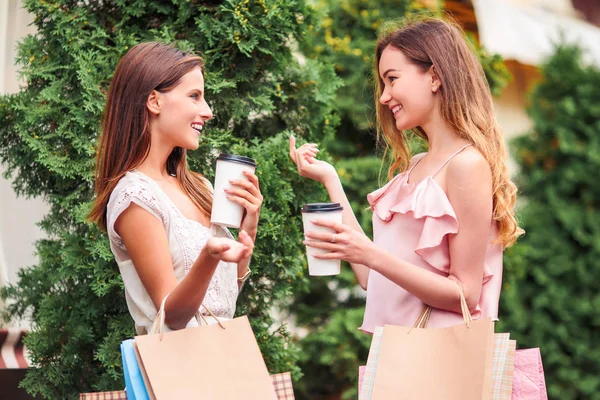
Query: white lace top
[(186, 239)]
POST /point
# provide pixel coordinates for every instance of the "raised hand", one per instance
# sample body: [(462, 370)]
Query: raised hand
[(308, 166)]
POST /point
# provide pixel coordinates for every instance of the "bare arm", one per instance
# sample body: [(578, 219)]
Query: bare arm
[(151, 257), (309, 167), (337, 195)]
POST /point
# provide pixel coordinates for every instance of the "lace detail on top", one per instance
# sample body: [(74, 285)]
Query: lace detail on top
[(186, 239), (192, 236)]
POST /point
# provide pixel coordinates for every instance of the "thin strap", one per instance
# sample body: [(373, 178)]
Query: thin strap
[(413, 167), (415, 164), (451, 157)]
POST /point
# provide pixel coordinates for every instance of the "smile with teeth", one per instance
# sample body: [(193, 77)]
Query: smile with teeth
[(197, 127), (396, 109)]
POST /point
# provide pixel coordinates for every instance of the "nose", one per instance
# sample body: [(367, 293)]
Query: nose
[(385, 97), (205, 111)]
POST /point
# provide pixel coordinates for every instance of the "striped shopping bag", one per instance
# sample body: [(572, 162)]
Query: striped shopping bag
[(503, 366), (281, 382), (365, 386)]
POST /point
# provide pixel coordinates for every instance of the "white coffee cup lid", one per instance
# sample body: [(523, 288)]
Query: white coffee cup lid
[(321, 207), (236, 159)]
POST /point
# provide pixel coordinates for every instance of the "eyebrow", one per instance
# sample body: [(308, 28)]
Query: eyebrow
[(388, 71)]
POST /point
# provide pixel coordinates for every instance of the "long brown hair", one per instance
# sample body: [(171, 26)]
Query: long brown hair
[(125, 140), (465, 104)]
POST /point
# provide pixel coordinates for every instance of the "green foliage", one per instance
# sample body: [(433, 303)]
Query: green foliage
[(553, 300), (260, 92), (361, 176), (331, 350)]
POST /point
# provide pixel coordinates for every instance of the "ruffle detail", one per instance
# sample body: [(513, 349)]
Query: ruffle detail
[(383, 209), (426, 201)]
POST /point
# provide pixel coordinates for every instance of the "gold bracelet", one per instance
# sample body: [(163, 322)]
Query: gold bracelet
[(246, 275)]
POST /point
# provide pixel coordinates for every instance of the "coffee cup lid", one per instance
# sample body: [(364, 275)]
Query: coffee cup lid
[(236, 159), (321, 207)]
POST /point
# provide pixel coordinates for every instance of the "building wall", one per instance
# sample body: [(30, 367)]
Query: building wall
[(18, 216), (511, 105)]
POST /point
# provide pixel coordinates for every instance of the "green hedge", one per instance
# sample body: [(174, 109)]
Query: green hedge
[(552, 292)]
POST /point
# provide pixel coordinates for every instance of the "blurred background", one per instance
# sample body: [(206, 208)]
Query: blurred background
[(542, 61)]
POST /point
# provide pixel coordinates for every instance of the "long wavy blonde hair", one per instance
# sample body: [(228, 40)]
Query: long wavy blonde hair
[(466, 105)]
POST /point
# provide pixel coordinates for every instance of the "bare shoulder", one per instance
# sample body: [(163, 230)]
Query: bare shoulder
[(469, 167)]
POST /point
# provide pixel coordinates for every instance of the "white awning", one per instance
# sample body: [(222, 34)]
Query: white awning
[(529, 34)]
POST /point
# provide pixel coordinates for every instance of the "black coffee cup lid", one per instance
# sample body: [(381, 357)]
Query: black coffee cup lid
[(321, 207), (236, 159)]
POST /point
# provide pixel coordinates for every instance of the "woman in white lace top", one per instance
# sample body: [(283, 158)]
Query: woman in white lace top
[(157, 212)]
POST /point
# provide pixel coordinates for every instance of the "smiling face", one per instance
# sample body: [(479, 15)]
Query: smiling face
[(180, 114), (408, 90)]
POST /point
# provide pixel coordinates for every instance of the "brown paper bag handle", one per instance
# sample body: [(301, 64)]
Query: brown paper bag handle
[(423, 318), (159, 321)]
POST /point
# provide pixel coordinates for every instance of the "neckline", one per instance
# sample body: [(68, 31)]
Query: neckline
[(429, 179), (437, 170), (162, 192), (406, 189)]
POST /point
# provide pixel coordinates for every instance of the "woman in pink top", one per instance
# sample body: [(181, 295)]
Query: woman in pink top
[(448, 215)]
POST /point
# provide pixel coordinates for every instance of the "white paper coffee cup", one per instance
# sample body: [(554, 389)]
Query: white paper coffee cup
[(224, 211), (325, 212)]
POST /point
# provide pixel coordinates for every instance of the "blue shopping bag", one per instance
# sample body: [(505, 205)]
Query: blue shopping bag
[(134, 382)]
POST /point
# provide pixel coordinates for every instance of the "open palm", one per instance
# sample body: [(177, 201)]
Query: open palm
[(229, 250)]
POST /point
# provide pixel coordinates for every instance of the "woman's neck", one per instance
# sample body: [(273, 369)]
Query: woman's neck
[(441, 138), (155, 164)]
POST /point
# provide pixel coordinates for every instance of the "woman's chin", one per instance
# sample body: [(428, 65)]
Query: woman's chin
[(192, 144), (403, 126)]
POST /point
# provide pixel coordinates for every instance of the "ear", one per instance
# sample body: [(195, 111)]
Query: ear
[(153, 102), (436, 83)]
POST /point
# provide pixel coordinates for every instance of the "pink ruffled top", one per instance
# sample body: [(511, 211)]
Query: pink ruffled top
[(413, 222)]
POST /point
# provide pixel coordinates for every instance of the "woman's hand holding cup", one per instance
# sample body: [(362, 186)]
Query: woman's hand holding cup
[(237, 198), (248, 195), (340, 242)]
